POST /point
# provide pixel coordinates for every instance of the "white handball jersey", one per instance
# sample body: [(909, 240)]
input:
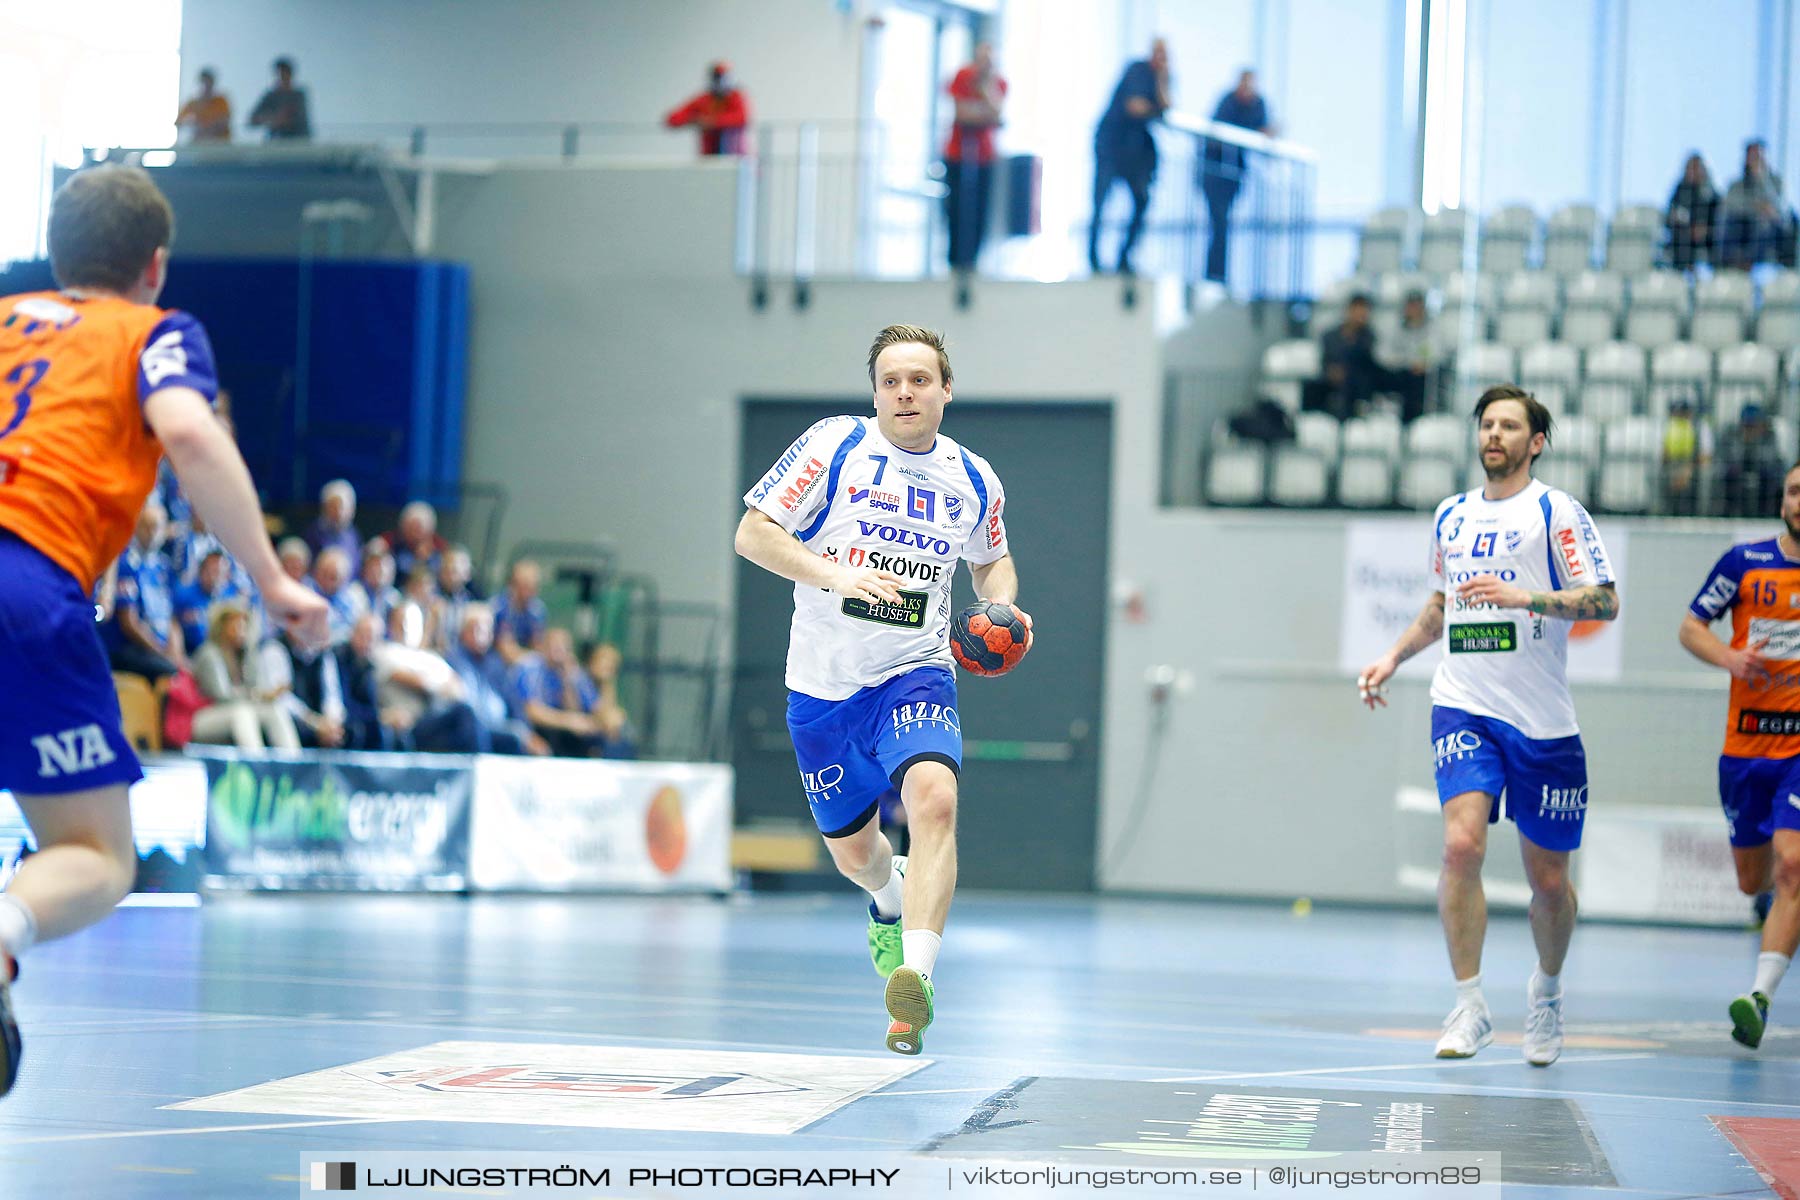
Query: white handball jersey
[(853, 497), (1510, 663)]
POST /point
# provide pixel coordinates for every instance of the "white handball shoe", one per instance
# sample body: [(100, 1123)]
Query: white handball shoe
[(1466, 1030), (1543, 1029)]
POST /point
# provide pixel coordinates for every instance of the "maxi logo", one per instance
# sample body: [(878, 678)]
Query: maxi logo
[(1565, 540), (1456, 746), (921, 503), (1563, 804), (905, 537), (885, 501), (905, 716), (803, 483), (781, 468), (823, 783), (996, 532)]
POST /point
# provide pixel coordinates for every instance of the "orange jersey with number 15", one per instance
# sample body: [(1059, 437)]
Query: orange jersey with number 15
[(77, 459)]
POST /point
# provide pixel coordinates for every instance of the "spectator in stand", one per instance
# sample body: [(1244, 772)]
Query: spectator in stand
[(721, 113), (296, 558), (282, 111), (455, 594), (336, 525), (1404, 353), (615, 736), (1693, 216), (1687, 451), (1124, 150), (245, 706), (414, 621), (483, 677), (315, 695), (188, 551), (194, 601), (415, 541), (978, 92), (364, 727), (557, 698), (423, 702), (331, 579), (207, 116), (143, 637), (1351, 372), (519, 613), (1752, 465), (375, 582), (1759, 225), (1224, 166)]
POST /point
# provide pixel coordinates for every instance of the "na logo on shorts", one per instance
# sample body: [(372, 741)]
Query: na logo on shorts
[(72, 752)]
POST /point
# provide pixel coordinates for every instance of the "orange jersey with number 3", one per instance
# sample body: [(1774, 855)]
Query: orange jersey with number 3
[(76, 457)]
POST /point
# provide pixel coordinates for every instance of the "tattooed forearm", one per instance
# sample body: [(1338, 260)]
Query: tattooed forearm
[(1425, 630), (1597, 603)]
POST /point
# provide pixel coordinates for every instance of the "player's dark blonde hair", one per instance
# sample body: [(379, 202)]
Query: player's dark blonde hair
[(105, 224), (1536, 415), (900, 335)]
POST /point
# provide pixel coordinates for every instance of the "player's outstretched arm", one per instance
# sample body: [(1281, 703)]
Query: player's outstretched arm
[(1426, 629), (217, 483), (779, 552), (1747, 664), (1595, 602)]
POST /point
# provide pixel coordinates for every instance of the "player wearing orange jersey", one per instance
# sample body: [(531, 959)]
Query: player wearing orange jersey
[(1758, 583), (96, 385)]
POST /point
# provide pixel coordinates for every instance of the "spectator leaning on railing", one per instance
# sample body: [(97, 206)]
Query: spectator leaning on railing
[(207, 116), (1125, 151), (282, 112), (721, 113)]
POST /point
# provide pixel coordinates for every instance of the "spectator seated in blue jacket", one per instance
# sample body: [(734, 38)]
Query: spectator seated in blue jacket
[(483, 674), (193, 601), (557, 697), (142, 636)]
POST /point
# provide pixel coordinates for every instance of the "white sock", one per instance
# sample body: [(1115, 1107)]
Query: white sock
[(1545, 987), (887, 896), (1770, 967), (1468, 991), (18, 928), (921, 949)]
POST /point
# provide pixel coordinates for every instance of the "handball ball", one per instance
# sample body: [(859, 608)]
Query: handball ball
[(989, 638)]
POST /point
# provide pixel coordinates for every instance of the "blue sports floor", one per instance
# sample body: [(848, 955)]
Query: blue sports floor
[(1168, 999)]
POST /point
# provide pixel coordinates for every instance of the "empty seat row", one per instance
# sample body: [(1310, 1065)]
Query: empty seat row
[(1509, 239)]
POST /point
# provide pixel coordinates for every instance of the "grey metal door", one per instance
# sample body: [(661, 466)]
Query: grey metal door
[(1030, 781)]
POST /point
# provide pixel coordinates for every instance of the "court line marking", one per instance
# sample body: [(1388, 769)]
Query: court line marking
[(150, 1133), (1719, 1102), (1412, 1065)]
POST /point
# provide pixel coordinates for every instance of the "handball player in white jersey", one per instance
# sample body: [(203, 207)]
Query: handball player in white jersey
[(869, 518), (1516, 563)]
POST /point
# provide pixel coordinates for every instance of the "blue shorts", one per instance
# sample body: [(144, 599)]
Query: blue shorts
[(1759, 795), (59, 715), (1543, 780), (851, 751)]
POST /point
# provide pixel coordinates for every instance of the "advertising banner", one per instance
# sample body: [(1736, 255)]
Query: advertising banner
[(576, 824), (352, 821)]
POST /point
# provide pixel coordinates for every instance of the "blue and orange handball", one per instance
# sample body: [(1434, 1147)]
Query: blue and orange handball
[(989, 638)]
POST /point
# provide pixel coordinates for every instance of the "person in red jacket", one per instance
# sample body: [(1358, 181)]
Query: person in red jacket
[(721, 112)]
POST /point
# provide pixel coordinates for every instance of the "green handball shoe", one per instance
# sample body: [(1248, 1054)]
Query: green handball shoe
[(1749, 1017), (884, 936), (909, 1009)]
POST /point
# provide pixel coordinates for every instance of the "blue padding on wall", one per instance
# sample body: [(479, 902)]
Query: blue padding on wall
[(387, 368)]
